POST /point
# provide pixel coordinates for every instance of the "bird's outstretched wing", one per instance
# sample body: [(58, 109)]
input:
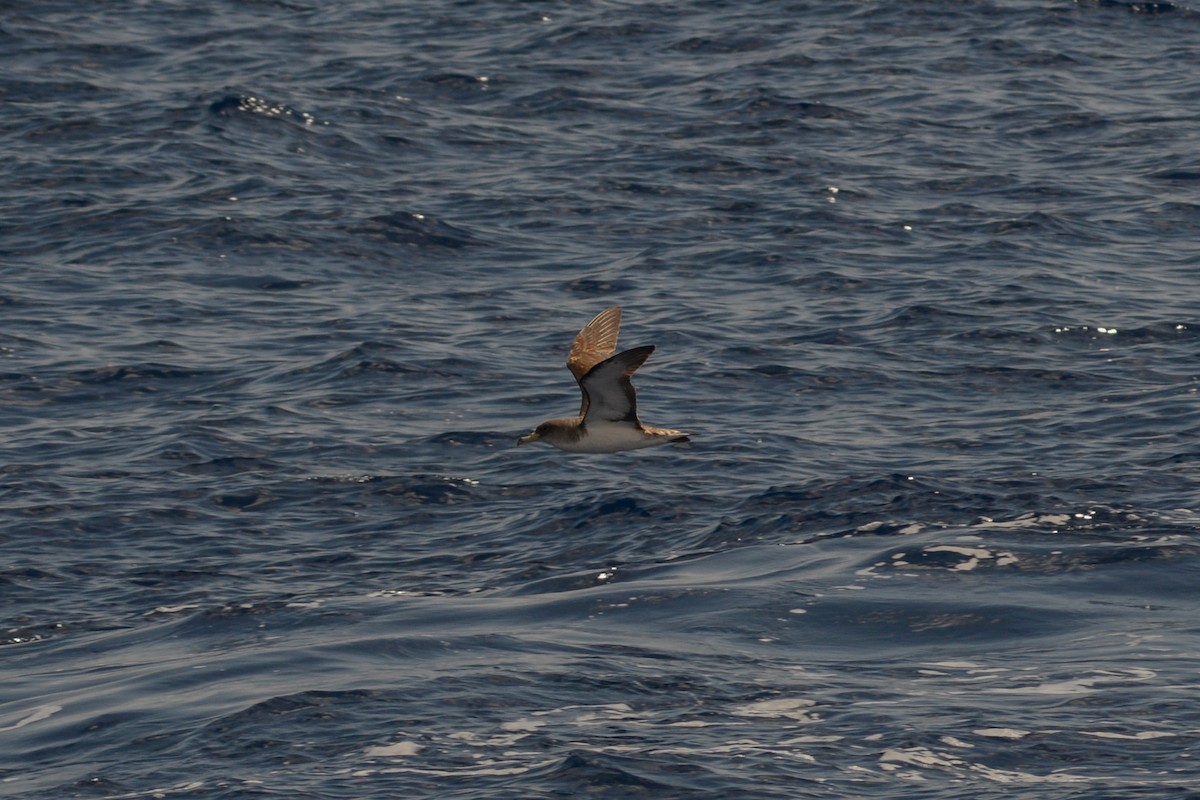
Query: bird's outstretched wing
[(596, 342), (608, 391)]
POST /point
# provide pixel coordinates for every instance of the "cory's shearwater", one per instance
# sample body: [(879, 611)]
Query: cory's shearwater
[(608, 420)]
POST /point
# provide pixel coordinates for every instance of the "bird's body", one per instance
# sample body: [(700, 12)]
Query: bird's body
[(608, 420)]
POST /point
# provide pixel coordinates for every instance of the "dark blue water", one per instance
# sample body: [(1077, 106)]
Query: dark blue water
[(282, 282)]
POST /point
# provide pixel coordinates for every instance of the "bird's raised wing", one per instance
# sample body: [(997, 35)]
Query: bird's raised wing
[(607, 389), (596, 342)]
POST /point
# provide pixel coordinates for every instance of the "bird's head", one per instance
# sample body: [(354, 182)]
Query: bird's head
[(538, 433)]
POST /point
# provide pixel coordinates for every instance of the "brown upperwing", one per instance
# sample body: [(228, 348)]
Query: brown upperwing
[(596, 342)]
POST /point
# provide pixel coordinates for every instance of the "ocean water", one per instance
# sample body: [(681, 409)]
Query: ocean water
[(282, 282)]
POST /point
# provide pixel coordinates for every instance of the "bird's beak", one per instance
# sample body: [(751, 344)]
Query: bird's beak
[(530, 437)]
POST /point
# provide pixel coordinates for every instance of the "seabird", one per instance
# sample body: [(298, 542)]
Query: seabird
[(608, 420)]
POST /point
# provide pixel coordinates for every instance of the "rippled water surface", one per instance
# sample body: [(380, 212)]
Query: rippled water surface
[(283, 282)]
